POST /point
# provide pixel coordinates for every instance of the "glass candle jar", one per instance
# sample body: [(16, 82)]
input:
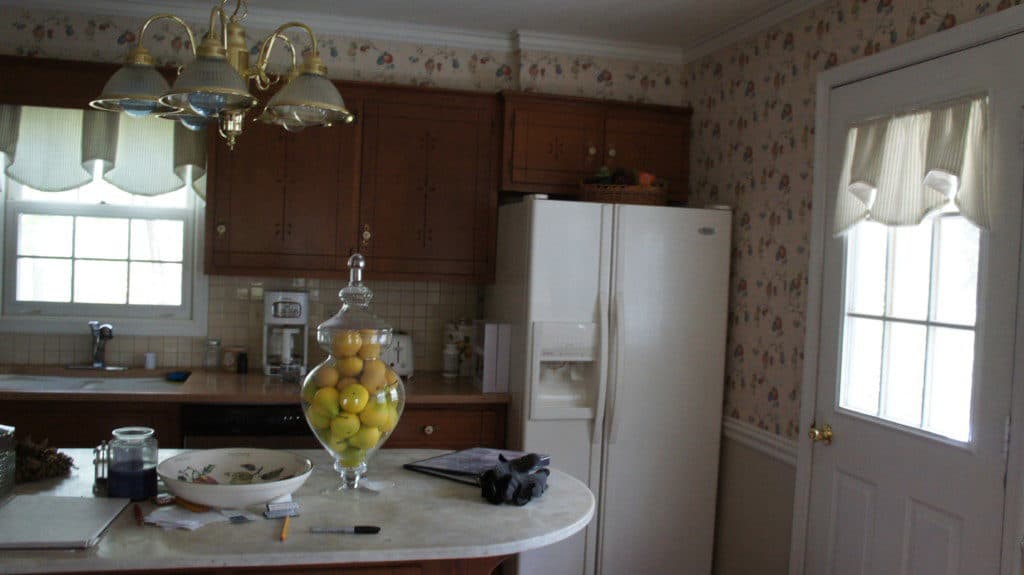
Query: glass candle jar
[(133, 459)]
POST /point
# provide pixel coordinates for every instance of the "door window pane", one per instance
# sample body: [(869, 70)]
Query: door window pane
[(102, 238), (100, 281), (40, 235), (155, 284), (905, 354), (868, 259), (863, 362), (949, 399), (40, 279), (956, 286), (911, 271)]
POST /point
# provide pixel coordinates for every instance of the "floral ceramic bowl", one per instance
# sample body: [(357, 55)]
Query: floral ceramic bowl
[(235, 477)]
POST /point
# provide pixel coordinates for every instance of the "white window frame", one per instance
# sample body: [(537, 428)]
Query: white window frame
[(189, 319)]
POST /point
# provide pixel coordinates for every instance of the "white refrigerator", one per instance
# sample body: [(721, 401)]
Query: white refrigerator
[(618, 318)]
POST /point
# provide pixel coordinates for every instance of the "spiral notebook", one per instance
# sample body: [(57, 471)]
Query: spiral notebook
[(466, 465), (52, 522)]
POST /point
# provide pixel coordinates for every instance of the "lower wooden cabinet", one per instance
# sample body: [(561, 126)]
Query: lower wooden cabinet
[(87, 423)]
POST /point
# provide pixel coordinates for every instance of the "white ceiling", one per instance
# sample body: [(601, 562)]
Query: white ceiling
[(686, 28)]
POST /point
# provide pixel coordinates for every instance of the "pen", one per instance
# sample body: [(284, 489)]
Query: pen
[(284, 528), (138, 515), (355, 529)]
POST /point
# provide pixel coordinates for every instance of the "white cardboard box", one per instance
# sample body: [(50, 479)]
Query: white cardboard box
[(491, 356)]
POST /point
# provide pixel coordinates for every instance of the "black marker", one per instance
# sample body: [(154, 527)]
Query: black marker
[(356, 530)]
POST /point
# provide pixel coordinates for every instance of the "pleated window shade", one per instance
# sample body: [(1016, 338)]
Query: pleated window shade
[(898, 170), (54, 149)]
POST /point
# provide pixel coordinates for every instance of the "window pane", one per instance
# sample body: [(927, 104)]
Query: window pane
[(155, 284), (44, 235), (956, 289), (158, 240), (43, 280), (101, 282), (866, 268), (949, 396), (862, 363), (911, 271), (905, 373), (105, 238)]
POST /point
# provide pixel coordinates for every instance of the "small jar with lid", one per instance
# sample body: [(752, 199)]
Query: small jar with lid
[(133, 458), (353, 400)]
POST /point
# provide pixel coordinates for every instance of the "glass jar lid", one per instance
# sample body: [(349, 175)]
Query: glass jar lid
[(355, 314)]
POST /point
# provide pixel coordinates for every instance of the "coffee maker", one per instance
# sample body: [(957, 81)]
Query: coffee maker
[(285, 333)]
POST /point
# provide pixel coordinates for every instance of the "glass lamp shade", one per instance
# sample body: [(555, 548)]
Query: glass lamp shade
[(308, 100), (134, 89), (207, 87), (188, 119)]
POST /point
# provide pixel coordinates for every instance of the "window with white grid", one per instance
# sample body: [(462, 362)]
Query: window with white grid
[(98, 252), (909, 325)]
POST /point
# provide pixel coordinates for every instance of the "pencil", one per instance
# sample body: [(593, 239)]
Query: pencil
[(284, 528), (138, 514)]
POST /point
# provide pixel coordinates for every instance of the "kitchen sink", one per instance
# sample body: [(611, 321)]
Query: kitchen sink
[(16, 382)]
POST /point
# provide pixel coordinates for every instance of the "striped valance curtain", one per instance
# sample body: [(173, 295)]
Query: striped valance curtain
[(55, 149), (899, 169)]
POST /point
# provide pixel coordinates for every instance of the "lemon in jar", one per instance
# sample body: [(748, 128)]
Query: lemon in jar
[(327, 400), (373, 377), (350, 366), (353, 398), (346, 343), (376, 413), (345, 382), (326, 376), (344, 426), (352, 456), (370, 348), (365, 438), (318, 418), (392, 420)]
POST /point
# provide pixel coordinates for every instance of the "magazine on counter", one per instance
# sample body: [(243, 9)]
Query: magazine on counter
[(466, 465)]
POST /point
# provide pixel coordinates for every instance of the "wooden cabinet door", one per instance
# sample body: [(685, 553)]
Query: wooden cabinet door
[(650, 141), (394, 191), (550, 147), (429, 185), (248, 194)]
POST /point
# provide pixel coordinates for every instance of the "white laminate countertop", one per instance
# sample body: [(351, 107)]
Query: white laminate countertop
[(421, 518)]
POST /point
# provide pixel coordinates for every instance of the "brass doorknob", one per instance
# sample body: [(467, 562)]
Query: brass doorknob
[(824, 434)]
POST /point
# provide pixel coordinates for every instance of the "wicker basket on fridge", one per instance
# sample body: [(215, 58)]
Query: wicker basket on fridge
[(655, 195)]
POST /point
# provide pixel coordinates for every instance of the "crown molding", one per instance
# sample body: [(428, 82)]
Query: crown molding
[(774, 446), (266, 19), (747, 29), (663, 54)]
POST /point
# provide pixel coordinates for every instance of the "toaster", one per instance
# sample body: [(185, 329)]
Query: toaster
[(399, 355)]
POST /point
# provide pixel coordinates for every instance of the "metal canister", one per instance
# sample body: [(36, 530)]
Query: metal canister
[(7, 457)]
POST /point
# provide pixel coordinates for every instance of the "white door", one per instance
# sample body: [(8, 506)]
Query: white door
[(663, 415), (915, 366)]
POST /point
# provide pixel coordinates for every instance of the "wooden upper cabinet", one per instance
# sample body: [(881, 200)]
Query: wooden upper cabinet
[(282, 201), (429, 189), (552, 142)]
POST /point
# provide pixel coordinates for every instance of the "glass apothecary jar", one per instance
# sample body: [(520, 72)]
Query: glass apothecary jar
[(353, 400), (133, 458)]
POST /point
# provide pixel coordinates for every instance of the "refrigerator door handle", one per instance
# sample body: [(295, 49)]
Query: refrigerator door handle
[(602, 380), (616, 354)]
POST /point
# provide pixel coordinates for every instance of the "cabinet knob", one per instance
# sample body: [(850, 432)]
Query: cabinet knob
[(592, 151), (366, 235), (221, 229), (611, 153), (429, 429)]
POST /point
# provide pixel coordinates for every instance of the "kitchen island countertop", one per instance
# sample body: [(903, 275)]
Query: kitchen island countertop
[(209, 387), (424, 520)]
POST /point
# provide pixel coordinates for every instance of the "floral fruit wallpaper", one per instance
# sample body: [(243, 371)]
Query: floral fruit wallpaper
[(753, 148), (752, 141)]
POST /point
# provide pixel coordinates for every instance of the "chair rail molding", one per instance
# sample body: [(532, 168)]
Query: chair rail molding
[(773, 445)]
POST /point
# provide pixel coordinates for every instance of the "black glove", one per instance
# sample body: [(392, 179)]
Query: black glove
[(517, 481)]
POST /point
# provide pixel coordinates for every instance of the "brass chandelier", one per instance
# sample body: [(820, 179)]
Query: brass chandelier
[(213, 88)]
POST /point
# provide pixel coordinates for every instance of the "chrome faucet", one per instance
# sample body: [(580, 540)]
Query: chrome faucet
[(101, 333)]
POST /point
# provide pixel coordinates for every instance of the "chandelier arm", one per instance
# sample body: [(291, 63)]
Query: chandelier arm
[(218, 10), (240, 5), (154, 18), (312, 36), (263, 81)]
